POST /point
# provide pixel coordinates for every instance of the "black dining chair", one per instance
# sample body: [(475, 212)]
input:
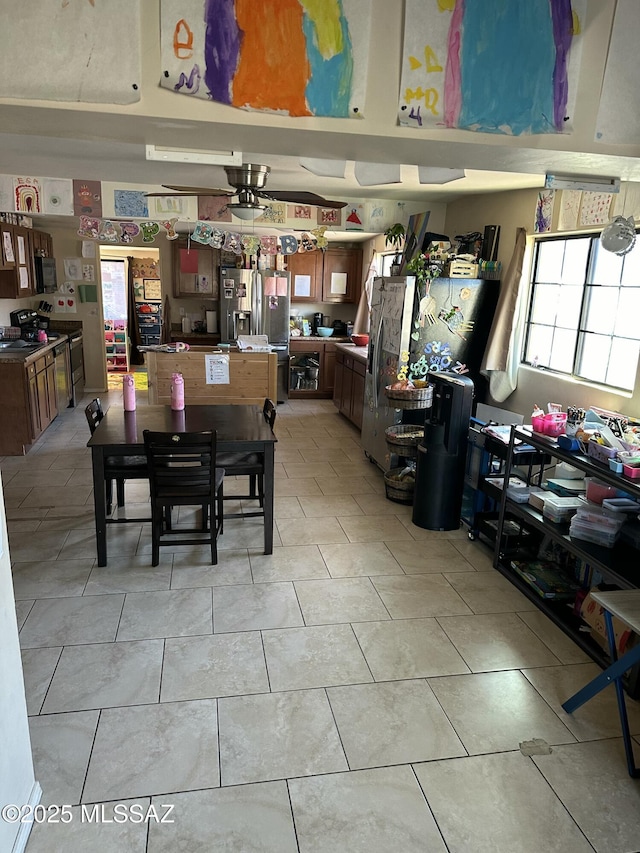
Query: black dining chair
[(182, 472), (248, 464), (118, 468)]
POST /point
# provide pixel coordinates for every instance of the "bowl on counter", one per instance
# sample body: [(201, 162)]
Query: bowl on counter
[(360, 340), (325, 331)]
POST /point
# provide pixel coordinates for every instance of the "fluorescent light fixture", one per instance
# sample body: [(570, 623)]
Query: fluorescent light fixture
[(192, 155), (246, 211), (587, 183)]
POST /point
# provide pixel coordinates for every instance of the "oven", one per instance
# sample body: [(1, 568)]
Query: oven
[(77, 366)]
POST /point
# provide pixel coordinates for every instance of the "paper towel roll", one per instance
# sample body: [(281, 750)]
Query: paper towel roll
[(212, 321)]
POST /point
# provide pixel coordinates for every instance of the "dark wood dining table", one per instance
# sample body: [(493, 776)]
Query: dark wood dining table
[(239, 429)]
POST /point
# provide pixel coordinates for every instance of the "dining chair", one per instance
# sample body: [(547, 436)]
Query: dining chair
[(118, 468), (248, 464), (182, 472)]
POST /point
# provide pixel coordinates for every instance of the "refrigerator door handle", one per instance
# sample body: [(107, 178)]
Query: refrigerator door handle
[(376, 357)]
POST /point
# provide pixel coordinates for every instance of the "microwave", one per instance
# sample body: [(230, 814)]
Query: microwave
[(46, 280)]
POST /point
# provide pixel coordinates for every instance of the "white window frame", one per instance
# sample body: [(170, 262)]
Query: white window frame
[(583, 327)]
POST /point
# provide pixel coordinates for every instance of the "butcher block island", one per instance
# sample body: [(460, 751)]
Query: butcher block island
[(252, 376)]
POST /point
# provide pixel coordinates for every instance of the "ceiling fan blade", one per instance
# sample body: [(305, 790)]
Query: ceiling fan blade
[(301, 198), (195, 191)]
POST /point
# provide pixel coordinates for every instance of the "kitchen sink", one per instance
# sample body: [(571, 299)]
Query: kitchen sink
[(26, 346)]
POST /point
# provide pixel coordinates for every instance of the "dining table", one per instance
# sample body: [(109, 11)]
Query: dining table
[(239, 428)]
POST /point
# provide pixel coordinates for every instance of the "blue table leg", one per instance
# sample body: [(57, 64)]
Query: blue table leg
[(614, 674)]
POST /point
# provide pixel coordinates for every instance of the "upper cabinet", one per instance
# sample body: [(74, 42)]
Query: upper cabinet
[(330, 276), (42, 244), (17, 278), (195, 270)]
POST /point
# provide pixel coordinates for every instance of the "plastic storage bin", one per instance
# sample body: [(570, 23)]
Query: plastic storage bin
[(597, 491), (606, 538), (558, 509), (553, 424)]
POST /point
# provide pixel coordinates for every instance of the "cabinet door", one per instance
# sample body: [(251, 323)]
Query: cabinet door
[(24, 261), (42, 399), (196, 271), (328, 368), (306, 271), (357, 397), (36, 428), (7, 247), (341, 275), (338, 380), (52, 400)]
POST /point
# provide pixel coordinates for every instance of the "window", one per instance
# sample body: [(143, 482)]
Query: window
[(584, 312)]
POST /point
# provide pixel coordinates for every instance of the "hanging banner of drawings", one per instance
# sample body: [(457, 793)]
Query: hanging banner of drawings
[(491, 66), (287, 56)]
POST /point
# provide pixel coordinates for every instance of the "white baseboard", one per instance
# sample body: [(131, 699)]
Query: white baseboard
[(20, 844)]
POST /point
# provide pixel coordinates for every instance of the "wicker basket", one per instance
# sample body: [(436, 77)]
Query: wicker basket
[(410, 398), (400, 491), (403, 439)]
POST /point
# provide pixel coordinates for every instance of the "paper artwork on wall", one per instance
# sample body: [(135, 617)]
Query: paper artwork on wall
[(164, 206), (87, 198), (212, 208), (274, 214), (71, 51), (130, 203), (491, 66), (57, 197), (329, 216), (27, 195), (618, 118), (569, 209), (88, 272), (299, 211), (73, 268), (594, 209), (354, 220), (544, 211), (286, 56)]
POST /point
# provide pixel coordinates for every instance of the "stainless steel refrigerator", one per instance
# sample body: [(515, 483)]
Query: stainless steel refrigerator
[(443, 329), (257, 302)]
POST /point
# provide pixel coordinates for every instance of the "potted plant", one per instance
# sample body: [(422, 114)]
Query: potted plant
[(394, 236)]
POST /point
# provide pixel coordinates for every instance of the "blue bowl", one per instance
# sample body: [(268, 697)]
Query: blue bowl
[(325, 331)]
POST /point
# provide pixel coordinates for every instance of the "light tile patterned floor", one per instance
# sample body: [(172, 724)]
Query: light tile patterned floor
[(366, 687)]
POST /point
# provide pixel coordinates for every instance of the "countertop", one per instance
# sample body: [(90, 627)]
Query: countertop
[(361, 353), (26, 354), (332, 339)]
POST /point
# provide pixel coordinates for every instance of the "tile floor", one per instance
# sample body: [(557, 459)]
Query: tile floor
[(367, 687)]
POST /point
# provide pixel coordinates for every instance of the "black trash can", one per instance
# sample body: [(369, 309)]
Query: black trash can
[(440, 466)]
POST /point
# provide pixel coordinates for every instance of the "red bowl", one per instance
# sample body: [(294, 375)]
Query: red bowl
[(360, 340)]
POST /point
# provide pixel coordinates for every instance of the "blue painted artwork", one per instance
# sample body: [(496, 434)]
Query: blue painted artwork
[(130, 203)]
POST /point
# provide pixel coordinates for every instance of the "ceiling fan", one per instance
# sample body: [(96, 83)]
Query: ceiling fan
[(249, 181)]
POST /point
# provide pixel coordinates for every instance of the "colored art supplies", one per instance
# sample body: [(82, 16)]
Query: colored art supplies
[(547, 578)]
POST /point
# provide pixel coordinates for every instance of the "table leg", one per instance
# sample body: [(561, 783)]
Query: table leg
[(268, 497), (612, 673), (99, 503)]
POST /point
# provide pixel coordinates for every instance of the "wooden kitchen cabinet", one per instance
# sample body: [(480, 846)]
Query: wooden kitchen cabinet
[(306, 276), (196, 270), (348, 389), (29, 402), (17, 275), (331, 276), (341, 273), (325, 354), (42, 244)]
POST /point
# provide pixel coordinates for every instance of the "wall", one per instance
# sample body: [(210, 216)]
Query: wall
[(17, 780), (511, 210)]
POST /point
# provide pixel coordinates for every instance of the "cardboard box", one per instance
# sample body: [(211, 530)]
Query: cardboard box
[(593, 615)]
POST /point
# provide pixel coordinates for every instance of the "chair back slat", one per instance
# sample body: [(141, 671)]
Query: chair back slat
[(181, 464), (94, 414), (269, 412)]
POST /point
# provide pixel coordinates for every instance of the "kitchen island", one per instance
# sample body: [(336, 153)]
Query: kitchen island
[(252, 377)]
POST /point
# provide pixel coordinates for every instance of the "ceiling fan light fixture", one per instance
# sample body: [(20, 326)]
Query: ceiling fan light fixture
[(246, 211), (619, 236)]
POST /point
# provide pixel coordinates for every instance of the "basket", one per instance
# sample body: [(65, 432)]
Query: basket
[(410, 398), (403, 439), (400, 491)]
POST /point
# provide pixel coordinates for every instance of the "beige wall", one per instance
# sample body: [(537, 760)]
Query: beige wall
[(511, 210)]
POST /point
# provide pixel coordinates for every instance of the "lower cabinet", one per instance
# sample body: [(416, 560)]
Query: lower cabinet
[(311, 368), (29, 402), (348, 388)]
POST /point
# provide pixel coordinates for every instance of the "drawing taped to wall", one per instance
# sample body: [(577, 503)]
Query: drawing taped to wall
[(544, 211), (285, 56), (491, 66)]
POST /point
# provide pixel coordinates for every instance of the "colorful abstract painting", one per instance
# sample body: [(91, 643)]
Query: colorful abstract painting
[(296, 57), (491, 66)]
